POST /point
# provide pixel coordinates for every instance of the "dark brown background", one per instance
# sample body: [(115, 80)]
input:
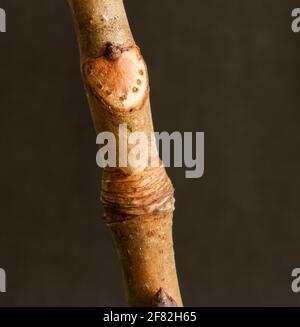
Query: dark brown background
[(228, 68)]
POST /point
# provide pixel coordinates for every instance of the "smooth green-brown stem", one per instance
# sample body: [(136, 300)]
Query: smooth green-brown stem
[(138, 202)]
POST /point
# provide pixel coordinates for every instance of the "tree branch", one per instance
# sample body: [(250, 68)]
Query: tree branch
[(138, 202)]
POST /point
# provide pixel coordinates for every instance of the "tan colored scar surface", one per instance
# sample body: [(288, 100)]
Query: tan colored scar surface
[(121, 84)]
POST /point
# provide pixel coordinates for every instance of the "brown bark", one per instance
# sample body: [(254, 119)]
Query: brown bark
[(138, 202)]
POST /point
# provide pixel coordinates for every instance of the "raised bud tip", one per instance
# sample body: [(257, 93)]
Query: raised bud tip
[(112, 52), (163, 300)]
